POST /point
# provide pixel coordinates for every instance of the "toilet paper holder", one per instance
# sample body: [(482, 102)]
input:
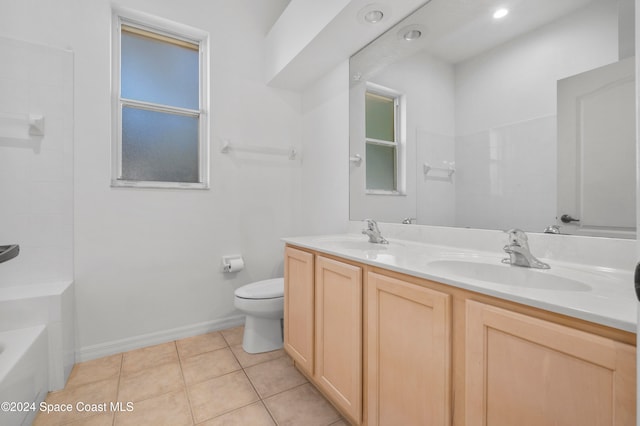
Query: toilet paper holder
[(232, 263)]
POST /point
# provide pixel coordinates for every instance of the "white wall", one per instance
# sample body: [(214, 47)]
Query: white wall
[(295, 29), (36, 177), (323, 206), (147, 261), (517, 81), (505, 118)]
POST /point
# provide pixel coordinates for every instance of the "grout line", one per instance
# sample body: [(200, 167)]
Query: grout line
[(113, 417), (287, 390), (266, 407), (184, 387), (269, 412), (184, 383), (252, 385)]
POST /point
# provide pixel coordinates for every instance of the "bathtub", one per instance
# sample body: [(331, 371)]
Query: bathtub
[(24, 375), (37, 345)]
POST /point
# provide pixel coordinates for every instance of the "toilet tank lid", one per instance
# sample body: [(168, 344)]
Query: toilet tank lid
[(267, 289)]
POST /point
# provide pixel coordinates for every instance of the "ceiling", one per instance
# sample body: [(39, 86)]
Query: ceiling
[(456, 30)]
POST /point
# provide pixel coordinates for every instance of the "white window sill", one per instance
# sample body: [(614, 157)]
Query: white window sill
[(383, 192), (159, 185)]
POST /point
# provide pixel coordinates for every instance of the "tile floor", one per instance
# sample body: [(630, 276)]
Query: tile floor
[(204, 380)]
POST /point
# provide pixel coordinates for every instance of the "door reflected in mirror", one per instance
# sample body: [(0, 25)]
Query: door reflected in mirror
[(502, 123)]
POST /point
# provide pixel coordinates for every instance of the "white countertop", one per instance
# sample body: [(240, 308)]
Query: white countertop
[(608, 297)]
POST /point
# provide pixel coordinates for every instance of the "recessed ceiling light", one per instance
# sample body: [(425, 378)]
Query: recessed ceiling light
[(500, 13), (374, 13), (412, 35), (374, 16), (411, 32)]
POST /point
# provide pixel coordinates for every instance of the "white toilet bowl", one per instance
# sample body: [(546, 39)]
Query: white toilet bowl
[(263, 304)]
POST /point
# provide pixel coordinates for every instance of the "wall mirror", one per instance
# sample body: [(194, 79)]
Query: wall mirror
[(462, 117)]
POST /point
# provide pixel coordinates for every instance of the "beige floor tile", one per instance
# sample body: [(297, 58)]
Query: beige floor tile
[(272, 377), (152, 356), (104, 419), (301, 406), (233, 336), (150, 382), (217, 390), (104, 391), (208, 365), (255, 415), (95, 370), (220, 395), (171, 409), (200, 344), (247, 359)]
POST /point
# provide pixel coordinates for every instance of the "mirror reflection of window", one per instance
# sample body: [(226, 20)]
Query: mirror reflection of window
[(382, 138)]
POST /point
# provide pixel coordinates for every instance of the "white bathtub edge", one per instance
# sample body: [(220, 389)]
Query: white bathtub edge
[(15, 344), (24, 373)]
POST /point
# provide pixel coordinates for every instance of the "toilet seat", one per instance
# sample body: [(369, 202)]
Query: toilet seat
[(266, 289)]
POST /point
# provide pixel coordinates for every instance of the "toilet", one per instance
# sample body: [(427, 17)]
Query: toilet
[(263, 304)]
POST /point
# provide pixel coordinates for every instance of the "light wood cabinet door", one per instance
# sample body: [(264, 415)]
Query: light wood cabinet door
[(299, 307), (339, 334), (524, 371), (408, 353)]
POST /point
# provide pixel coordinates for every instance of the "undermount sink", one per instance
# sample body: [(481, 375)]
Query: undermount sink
[(513, 276)]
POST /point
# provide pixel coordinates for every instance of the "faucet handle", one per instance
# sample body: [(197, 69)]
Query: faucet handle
[(552, 229), (371, 225), (518, 237)]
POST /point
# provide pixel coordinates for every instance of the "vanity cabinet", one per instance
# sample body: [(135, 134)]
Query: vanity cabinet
[(338, 370), (408, 353), (388, 349), (528, 371), (299, 298), (323, 326)]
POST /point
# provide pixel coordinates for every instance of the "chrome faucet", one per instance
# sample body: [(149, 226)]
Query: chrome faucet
[(373, 232), (408, 220), (552, 229), (519, 253)]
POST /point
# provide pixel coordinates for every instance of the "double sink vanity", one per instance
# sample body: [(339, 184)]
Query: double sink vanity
[(415, 333)]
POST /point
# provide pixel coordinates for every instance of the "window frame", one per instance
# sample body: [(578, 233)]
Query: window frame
[(173, 30), (399, 136)]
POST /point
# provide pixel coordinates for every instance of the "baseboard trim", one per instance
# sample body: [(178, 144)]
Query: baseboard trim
[(88, 353)]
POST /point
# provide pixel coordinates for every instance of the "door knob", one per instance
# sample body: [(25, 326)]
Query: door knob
[(565, 218)]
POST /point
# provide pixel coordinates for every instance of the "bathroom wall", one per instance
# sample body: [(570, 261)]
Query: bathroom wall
[(36, 173), (323, 204), (505, 117), (147, 262)]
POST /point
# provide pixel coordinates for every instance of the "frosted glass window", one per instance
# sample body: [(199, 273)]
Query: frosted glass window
[(380, 117), (159, 71), (160, 123), (157, 146), (381, 140), (381, 167)]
